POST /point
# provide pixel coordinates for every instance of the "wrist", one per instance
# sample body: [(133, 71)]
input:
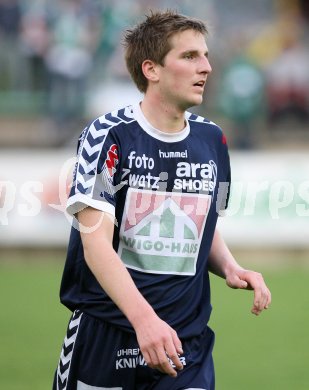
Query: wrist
[(141, 314), (231, 268)]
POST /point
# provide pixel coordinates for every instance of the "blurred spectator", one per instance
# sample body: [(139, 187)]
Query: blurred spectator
[(69, 60), (281, 50), (10, 19), (288, 82), (34, 43), (241, 96), (304, 8), (115, 17)]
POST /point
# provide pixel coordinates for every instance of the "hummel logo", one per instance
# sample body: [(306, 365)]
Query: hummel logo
[(183, 154)]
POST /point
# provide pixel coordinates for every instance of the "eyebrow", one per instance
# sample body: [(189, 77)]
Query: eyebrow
[(193, 51)]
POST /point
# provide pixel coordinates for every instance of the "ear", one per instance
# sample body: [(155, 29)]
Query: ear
[(150, 70)]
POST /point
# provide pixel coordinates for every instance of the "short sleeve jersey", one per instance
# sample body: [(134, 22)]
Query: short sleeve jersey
[(165, 191)]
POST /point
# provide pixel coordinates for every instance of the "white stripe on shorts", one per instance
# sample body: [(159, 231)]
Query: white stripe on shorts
[(64, 364), (83, 386)]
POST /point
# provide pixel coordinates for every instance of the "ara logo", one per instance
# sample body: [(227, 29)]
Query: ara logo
[(161, 232), (196, 176), (112, 160)]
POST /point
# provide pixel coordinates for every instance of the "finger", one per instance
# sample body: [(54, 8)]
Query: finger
[(268, 300), (266, 296), (258, 302), (236, 282), (243, 284), (262, 300), (148, 359), (173, 355), (164, 365), (177, 342)]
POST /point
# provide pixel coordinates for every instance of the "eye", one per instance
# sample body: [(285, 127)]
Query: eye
[(189, 56)]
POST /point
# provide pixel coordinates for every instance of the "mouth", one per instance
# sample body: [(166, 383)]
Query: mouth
[(200, 84)]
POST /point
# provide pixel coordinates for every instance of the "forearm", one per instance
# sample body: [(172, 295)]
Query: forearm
[(116, 281), (109, 270), (221, 261)]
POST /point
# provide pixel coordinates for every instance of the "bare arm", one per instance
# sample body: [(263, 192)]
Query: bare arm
[(222, 263), (155, 337)]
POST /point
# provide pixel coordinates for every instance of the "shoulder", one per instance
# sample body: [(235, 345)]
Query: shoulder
[(107, 125), (114, 118), (198, 120), (205, 126)]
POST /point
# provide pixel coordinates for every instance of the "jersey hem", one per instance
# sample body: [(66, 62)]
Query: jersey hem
[(78, 202)]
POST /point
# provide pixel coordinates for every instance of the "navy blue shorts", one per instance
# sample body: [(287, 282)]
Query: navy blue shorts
[(98, 356)]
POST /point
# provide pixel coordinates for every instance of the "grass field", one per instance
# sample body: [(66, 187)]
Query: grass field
[(269, 352)]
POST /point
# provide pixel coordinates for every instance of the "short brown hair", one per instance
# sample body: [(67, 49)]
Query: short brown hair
[(151, 40)]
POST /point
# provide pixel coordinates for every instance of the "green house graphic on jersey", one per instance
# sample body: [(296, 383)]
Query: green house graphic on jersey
[(165, 238)]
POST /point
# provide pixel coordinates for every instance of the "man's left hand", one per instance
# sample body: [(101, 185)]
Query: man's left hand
[(251, 280)]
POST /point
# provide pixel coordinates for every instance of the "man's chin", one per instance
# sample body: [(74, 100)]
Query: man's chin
[(196, 101)]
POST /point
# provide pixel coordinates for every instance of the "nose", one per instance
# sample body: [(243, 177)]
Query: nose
[(206, 66)]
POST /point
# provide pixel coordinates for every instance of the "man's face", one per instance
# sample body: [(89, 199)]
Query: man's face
[(186, 67)]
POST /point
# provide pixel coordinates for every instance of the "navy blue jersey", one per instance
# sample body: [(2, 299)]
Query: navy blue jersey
[(162, 189)]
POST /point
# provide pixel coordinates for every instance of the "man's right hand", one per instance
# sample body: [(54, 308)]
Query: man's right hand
[(158, 343)]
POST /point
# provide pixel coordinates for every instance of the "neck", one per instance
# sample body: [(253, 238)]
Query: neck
[(162, 115)]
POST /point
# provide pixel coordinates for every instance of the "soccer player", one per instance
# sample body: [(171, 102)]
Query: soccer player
[(149, 184)]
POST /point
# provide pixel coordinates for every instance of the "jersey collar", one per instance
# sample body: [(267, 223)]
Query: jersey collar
[(158, 134)]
